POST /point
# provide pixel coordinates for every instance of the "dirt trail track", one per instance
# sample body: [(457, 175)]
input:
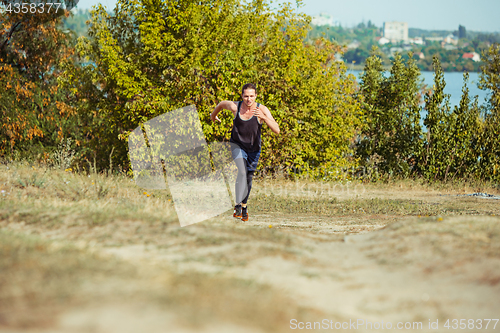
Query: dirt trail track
[(344, 280)]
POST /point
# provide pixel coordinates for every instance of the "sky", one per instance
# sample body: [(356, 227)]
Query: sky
[(475, 15)]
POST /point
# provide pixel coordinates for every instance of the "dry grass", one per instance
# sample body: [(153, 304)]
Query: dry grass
[(95, 197), (58, 227), (399, 198)]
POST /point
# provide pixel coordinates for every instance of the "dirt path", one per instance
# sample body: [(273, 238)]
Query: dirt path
[(347, 281)]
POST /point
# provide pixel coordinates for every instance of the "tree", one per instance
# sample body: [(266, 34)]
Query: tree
[(464, 130), (370, 89), (357, 55), (490, 142), (391, 107), (34, 109), (490, 76), (452, 144), (437, 140), (151, 57)]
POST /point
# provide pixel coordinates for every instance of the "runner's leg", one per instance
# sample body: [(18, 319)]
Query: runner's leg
[(251, 163), (249, 185), (241, 186)]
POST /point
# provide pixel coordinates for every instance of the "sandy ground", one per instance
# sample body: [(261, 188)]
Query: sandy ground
[(348, 269)]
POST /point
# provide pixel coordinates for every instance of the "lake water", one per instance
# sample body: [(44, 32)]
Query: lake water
[(454, 83)]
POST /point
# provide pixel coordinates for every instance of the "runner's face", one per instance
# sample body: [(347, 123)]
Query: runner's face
[(249, 97)]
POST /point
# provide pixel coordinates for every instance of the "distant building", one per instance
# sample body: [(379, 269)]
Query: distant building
[(450, 39), (434, 39), (473, 56), (420, 55), (417, 40), (354, 45), (396, 31), (383, 41), (325, 19)]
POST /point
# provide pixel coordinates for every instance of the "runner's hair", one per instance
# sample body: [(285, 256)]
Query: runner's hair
[(249, 86)]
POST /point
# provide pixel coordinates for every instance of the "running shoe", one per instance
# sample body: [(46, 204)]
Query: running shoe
[(244, 214), (237, 211)]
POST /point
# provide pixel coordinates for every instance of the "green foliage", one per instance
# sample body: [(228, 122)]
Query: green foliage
[(490, 141), (465, 131), (151, 57), (458, 144), (450, 146), (437, 142), (451, 60), (35, 111), (357, 55), (392, 137), (35, 180), (490, 76), (365, 34), (489, 38)]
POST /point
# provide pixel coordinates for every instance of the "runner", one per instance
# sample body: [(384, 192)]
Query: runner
[(248, 117)]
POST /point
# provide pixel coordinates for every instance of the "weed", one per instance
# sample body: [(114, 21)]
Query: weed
[(34, 180), (64, 156)]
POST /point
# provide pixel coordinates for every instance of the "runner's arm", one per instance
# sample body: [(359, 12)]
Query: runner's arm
[(263, 113), (224, 105)]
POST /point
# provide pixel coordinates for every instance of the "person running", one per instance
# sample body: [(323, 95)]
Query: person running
[(248, 117)]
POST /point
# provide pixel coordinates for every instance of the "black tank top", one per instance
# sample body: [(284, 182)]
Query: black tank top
[(246, 133)]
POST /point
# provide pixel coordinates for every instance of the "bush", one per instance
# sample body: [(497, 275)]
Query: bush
[(151, 57), (392, 134), (35, 110)]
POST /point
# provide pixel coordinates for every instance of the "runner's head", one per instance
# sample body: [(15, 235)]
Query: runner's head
[(249, 94)]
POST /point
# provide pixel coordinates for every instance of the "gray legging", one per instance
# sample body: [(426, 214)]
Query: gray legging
[(243, 181)]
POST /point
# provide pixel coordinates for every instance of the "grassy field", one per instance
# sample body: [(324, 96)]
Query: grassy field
[(97, 253)]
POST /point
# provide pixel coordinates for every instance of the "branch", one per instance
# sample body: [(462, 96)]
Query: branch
[(9, 36)]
